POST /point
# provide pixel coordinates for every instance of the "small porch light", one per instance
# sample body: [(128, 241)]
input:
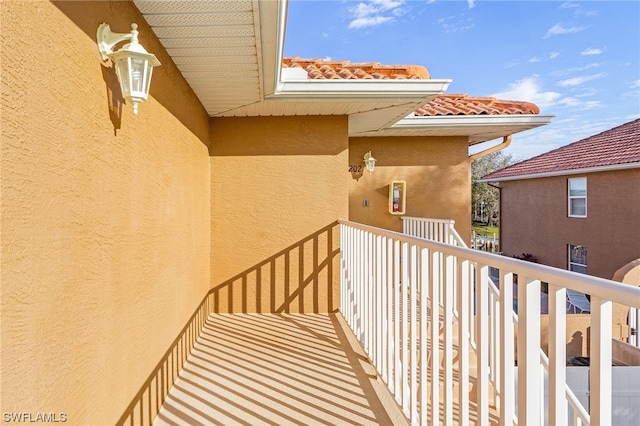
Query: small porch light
[(369, 162), (133, 63)]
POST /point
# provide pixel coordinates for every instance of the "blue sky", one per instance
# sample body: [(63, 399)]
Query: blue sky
[(577, 60)]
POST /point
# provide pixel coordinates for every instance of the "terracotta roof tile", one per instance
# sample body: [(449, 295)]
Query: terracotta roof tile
[(360, 70), (469, 105), (320, 69), (619, 145)]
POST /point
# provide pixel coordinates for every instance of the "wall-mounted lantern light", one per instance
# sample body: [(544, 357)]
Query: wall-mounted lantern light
[(133, 63), (369, 162)]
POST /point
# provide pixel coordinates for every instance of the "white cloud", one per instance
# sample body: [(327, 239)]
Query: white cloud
[(591, 51), (635, 84), (577, 103), (552, 55), (374, 12), (449, 25), (576, 81), (528, 89), (472, 3), (569, 5), (570, 71), (558, 29)]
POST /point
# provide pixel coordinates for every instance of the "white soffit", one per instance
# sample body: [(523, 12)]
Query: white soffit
[(478, 128), (217, 46)]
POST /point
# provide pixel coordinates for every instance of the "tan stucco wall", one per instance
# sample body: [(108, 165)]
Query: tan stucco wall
[(437, 172), (534, 220), (105, 217), (277, 186)]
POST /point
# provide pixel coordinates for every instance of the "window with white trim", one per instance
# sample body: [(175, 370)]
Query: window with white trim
[(578, 259), (577, 188)]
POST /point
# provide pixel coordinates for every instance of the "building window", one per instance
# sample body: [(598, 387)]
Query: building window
[(578, 259), (578, 197)]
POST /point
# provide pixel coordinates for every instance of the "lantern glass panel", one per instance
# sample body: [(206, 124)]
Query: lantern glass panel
[(138, 66), (122, 69)]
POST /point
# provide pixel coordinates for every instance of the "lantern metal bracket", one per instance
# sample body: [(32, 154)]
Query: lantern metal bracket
[(107, 38)]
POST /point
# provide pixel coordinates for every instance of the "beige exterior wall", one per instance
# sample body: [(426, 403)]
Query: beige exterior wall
[(534, 220), (278, 185), (437, 172), (104, 215)]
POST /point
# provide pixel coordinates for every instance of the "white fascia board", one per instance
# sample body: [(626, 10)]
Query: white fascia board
[(462, 121), (571, 172), (349, 90)]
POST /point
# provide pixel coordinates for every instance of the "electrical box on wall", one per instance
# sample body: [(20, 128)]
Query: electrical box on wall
[(398, 197)]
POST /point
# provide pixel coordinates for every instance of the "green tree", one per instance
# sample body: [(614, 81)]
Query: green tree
[(485, 198)]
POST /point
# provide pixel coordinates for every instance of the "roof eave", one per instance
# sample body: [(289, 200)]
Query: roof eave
[(462, 121), (478, 128), (396, 91), (608, 168)]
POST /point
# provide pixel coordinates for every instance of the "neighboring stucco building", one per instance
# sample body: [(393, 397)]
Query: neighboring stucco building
[(227, 184), (576, 207)]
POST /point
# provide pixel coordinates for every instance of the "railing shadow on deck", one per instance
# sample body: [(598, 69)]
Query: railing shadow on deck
[(282, 291), (300, 278), (147, 402)]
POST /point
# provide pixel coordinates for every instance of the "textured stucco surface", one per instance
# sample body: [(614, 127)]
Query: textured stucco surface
[(437, 172), (105, 217), (277, 185), (534, 220)]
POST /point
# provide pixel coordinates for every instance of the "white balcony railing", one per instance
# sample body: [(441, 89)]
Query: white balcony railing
[(442, 230), (431, 359)]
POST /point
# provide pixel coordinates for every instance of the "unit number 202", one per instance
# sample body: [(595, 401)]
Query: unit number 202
[(355, 168)]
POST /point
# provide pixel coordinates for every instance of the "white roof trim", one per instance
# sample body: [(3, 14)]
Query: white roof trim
[(609, 168), (460, 121), (348, 90)]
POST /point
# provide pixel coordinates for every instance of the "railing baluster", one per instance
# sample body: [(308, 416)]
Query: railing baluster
[(404, 341), (529, 374), (557, 354), (600, 362), (390, 317), (413, 335), (382, 306), (434, 295), (463, 271), (424, 338), (482, 343), (449, 284), (398, 319), (507, 376)]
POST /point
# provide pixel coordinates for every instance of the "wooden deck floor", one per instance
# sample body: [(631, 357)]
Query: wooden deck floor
[(260, 369)]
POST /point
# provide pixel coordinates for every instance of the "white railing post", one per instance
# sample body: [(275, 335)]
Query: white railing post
[(557, 354), (448, 296), (507, 376), (424, 338), (413, 328), (404, 401), (600, 361), (482, 343), (463, 281), (529, 372), (434, 295)]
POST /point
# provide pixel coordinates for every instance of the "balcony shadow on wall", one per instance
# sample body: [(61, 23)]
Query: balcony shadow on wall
[(298, 279)]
